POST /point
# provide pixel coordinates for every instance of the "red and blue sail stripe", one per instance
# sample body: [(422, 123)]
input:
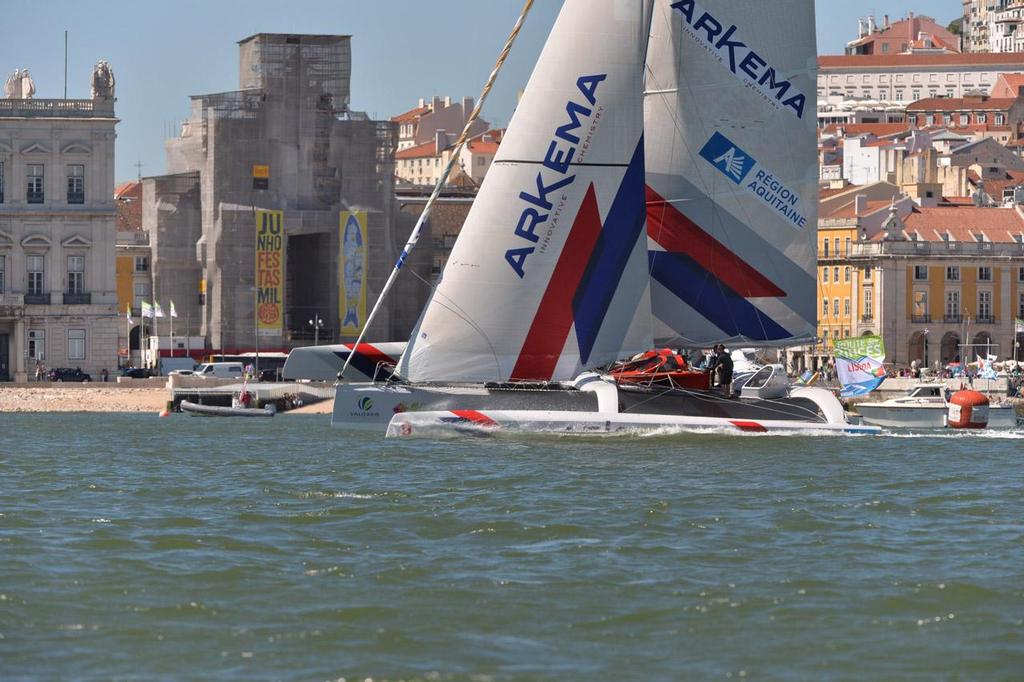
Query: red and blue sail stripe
[(586, 276), (706, 275)]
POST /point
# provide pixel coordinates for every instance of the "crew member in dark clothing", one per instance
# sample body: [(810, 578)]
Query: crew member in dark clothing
[(723, 366)]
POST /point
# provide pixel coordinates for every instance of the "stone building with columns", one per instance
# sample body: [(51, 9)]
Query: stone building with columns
[(57, 233)]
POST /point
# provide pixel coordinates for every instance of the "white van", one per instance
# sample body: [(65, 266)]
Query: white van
[(220, 370)]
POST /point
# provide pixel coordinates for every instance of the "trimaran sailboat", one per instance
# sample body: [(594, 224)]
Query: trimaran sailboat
[(657, 183)]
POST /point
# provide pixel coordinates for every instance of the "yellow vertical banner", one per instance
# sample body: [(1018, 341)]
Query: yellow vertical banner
[(270, 273), (352, 274)]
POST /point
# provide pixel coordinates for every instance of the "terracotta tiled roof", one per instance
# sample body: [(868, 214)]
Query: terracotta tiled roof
[(994, 186), (958, 201), (862, 61), (849, 210), (418, 152), (478, 145), (1008, 84), (132, 188), (964, 223), (961, 104), (128, 196), (410, 115)]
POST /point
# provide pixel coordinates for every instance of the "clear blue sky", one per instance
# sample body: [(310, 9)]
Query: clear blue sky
[(162, 52)]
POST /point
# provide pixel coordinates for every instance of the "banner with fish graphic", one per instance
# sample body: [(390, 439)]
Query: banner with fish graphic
[(859, 363), (352, 277)]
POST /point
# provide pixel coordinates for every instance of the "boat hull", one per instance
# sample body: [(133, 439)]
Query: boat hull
[(374, 406), (486, 422), (928, 416), (199, 410)]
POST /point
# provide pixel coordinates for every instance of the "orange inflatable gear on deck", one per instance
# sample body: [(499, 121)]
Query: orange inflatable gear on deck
[(662, 367)]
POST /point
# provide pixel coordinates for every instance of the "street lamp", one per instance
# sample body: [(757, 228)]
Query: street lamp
[(316, 323)]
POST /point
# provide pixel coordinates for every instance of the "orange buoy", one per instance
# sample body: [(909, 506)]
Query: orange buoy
[(968, 410)]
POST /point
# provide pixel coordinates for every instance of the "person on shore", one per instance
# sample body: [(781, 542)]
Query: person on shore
[(40, 371)]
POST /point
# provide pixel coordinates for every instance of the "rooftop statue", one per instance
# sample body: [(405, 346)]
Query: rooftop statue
[(102, 80), (19, 85)]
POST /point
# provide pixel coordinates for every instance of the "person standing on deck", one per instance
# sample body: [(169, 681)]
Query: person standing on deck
[(723, 367)]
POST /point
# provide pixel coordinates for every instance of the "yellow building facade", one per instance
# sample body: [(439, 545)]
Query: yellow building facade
[(944, 285)]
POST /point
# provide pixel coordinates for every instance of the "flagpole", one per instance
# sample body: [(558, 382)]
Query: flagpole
[(172, 329)]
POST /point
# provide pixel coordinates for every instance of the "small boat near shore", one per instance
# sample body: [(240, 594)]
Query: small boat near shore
[(926, 407), (200, 410)]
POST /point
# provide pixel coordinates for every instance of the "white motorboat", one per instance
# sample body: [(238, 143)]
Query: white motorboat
[(648, 192), (925, 407), (200, 410)]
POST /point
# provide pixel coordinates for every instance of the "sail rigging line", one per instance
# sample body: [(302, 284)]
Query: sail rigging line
[(452, 160)]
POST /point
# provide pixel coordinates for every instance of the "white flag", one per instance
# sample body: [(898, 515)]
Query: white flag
[(157, 310), (128, 314), (174, 313)]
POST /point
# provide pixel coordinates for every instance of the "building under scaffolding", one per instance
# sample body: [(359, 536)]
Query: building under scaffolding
[(291, 118)]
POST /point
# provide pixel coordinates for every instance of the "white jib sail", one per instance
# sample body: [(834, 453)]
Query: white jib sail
[(550, 267), (730, 115)]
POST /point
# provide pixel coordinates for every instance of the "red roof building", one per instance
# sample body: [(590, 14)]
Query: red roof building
[(911, 35), (1004, 115)]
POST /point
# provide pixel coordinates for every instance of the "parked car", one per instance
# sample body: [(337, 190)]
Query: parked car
[(182, 372), (136, 373), (67, 374), (220, 370)]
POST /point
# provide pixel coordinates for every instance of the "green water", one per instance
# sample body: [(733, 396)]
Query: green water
[(140, 548)]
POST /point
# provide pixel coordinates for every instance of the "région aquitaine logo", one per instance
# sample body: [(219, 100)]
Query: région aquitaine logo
[(365, 404)]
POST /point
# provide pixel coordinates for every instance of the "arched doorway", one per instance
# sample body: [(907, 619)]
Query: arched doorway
[(949, 349), (1018, 349), (916, 349), (135, 346), (982, 345)]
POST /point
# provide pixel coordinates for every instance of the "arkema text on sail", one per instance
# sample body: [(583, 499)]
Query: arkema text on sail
[(738, 57), (557, 160)]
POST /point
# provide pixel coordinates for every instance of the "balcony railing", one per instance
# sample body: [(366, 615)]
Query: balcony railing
[(922, 248), (77, 299), (77, 108), (867, 318), (919, 319), (953, 319), (985, 319), (37, 299), (76, 197), (34, 197)]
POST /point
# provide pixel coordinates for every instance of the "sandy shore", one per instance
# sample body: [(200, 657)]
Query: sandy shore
[(95, 398), (81, 398)]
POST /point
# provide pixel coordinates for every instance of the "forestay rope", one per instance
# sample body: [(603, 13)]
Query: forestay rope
[(452, 160)]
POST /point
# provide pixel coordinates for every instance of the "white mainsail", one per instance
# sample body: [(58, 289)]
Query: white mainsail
[(730, 114), (550, 268)]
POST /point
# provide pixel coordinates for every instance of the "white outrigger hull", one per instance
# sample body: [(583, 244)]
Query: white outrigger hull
[(457, 422)]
